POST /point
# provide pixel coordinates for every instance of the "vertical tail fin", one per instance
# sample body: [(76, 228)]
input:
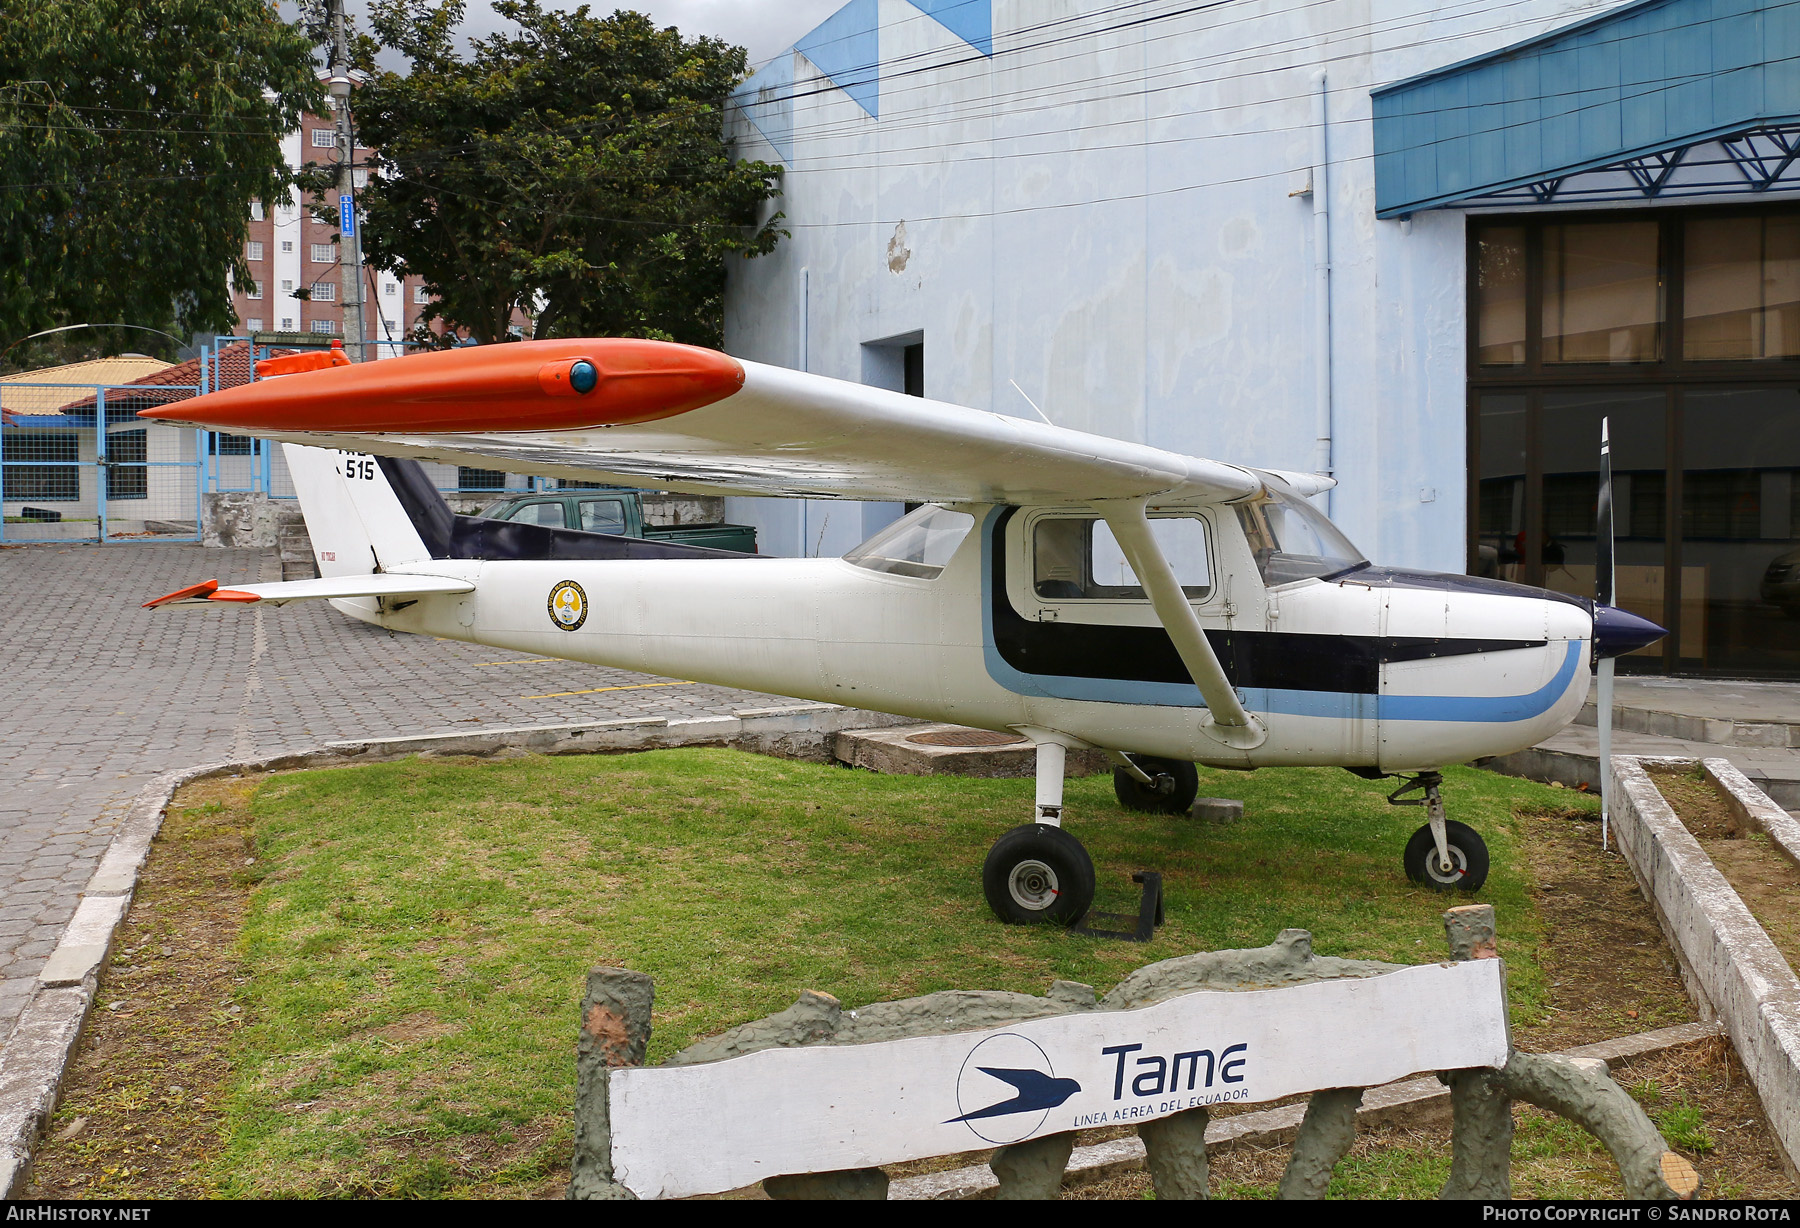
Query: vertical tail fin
[(357, 523)]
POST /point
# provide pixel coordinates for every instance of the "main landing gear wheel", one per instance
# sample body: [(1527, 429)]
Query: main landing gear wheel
[(1468, 858), (1038, 874), (1172, 788)]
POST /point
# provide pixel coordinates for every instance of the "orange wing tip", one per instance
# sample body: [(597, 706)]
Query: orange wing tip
[(312, 360), (206, 588), (233, 594), (521, 386)]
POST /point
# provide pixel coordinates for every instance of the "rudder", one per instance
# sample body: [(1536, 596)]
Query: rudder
[(356, 522)]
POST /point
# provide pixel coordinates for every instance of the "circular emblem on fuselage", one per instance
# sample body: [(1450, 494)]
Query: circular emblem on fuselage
[(568, 605)]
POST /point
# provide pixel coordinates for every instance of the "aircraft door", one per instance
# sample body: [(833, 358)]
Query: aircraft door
[(1070, 620)]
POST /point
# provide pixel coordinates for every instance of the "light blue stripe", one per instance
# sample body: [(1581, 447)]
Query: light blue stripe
[(1491, 709), (1333, 705)]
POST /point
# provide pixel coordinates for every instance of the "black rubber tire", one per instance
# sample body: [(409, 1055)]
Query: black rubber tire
[(1173, 795), (1038, 875), (1467, 849)]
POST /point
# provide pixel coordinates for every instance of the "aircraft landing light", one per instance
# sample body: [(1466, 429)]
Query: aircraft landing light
[(635, 686)]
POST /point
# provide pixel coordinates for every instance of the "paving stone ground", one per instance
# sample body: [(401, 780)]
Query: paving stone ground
[(97, 696)]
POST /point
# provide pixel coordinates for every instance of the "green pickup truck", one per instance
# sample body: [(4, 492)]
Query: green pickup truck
[(619, 512)]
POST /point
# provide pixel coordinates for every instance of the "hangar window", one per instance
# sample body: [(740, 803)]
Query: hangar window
[(919, 544), (1076, 558)]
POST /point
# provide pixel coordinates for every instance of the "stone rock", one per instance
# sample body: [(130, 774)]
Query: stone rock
[(1286, 961), (859, 1184), (814, 1017), (1175, 1154), (1216, 809), (1032, 1170)]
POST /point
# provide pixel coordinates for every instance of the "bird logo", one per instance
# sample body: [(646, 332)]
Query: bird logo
[(1023, 1068)]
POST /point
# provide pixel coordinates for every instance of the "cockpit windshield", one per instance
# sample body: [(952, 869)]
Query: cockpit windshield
[(1292, 540), (919, 544)]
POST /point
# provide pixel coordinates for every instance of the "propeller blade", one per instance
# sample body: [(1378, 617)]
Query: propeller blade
[(1603, 536), (1603, 598)]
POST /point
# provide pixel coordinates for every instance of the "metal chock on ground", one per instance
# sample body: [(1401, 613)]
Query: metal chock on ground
[(1149, 913)]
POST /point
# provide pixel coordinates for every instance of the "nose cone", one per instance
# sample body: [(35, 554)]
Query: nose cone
[(1617, 632)]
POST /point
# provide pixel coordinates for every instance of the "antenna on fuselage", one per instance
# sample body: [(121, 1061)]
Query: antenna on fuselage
[(1604, 593), (1030, 402)]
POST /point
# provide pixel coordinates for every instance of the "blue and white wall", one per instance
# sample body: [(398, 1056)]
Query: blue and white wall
[(1110, 206)]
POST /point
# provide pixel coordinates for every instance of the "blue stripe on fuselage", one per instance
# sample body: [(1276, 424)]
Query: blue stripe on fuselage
[(1337, 705)]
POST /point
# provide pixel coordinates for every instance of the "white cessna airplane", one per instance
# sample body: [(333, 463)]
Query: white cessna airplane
[(1082, 591)]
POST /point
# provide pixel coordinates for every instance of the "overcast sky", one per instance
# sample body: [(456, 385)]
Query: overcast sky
[(762, 27)]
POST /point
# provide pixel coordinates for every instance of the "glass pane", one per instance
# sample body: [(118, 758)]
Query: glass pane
[(41, 468), (603, 516), (1080, 558), (1500, 518), (1602, 293), (1500, 296), (1740, 555), (548, 514), (919, 544), (1742, 293), (1292, 540), (1571, 460)]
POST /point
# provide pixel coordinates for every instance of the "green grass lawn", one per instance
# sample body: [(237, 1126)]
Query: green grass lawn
[(419, 931)]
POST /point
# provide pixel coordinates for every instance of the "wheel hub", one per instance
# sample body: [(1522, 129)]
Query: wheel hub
[(1033, 885), (1459, 865)]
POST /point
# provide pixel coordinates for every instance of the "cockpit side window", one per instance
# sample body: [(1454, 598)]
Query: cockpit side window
[(1077, 558), (1292, 540), (919, 544)]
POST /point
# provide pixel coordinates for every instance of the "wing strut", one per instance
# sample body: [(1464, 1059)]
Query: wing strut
[(1226, 718)]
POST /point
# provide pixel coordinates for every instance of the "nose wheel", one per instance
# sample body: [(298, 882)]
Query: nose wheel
[(1444, 855), (1468, 866)]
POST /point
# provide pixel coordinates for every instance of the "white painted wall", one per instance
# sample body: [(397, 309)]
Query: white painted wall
[(1109, 220)]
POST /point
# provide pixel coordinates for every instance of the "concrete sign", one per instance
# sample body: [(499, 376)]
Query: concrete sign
[(703, 1129)]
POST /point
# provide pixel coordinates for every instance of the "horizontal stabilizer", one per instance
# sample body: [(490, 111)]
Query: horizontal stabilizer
[(377, 584)]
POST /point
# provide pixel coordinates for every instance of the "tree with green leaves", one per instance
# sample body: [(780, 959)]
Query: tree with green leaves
[(134, 135), (575, 171)]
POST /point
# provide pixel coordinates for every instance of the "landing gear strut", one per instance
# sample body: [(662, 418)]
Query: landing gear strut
[(1443, 854), (1038, 872)]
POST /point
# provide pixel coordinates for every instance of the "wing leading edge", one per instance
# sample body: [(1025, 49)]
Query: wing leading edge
[(680, 418)]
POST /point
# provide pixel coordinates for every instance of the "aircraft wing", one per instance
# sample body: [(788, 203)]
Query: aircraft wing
[(673, 417), (379, 584)]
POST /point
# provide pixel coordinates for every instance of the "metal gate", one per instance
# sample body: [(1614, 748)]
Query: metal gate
[(78, 464)]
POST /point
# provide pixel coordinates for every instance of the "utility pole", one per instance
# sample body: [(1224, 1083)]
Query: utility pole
[(350, 277)]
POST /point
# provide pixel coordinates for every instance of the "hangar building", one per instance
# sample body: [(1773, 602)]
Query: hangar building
[(1425, 246)]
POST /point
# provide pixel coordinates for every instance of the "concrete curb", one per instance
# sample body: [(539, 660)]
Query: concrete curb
[(1719, 731), (38, 1050), (1728, 962), (1409, 1100), (1755, 807), (1577, 769)]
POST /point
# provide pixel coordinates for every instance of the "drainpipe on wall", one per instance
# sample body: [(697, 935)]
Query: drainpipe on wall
[(805, 358), (1321, 203)]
